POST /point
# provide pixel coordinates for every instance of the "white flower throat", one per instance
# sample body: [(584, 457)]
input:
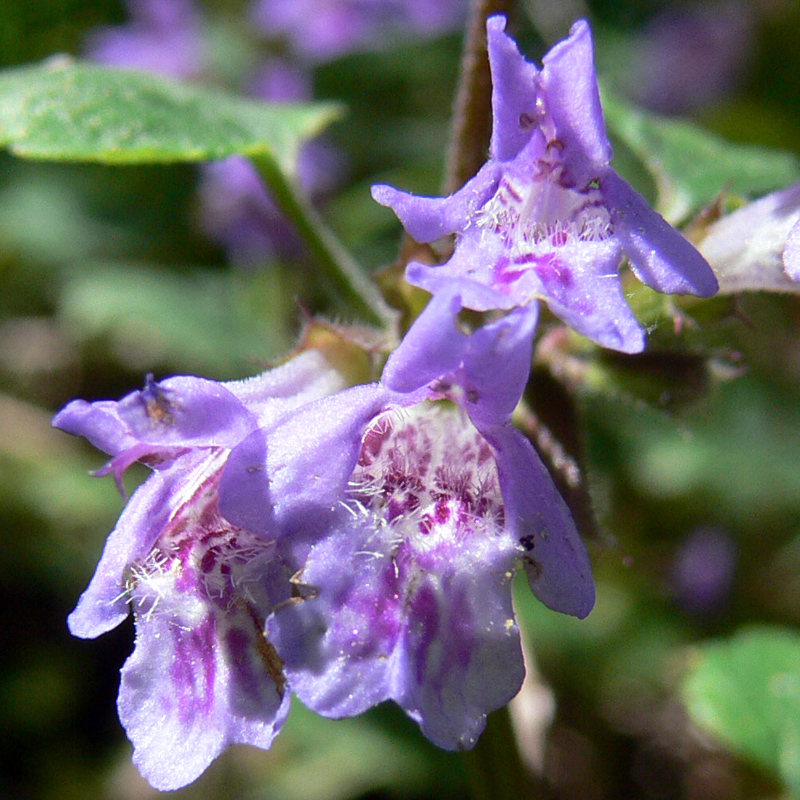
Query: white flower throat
[(429, 476)]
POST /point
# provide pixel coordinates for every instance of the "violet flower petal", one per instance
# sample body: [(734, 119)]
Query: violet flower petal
[(97, 422), (337, 646), (513, 92), (408, 595), (659, 255), (569, 82), (433, 346), (464, 659), (186, 412), (490, 393), (196, 683), (558, 567), (429, 218)]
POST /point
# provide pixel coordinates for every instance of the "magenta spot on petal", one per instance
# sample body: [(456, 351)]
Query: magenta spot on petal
[(553, 274), (373, 442), (193, 669), (186, 580), (208, 562), (424, 622), (442, 512), (394, 508)]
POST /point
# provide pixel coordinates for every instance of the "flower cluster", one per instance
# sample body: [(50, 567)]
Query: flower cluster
[(356, 544)]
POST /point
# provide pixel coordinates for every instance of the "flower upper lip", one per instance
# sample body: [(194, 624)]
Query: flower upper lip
[(547, 217)]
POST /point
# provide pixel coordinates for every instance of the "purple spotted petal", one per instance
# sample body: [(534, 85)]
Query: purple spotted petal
[(104, 604), (556, 561), (659, 255), (202, 676), (513, 92), (196, 683), (569, 84), (408, 593)]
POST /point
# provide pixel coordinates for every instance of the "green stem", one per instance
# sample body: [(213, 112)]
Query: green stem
[(494, 767), (335, 262)]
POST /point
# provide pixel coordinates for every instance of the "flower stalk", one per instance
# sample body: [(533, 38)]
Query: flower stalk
[(332, 259)]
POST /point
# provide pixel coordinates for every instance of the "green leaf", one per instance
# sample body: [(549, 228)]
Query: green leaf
[(69, 111), (207, 322), (746, 691), (690, 165)]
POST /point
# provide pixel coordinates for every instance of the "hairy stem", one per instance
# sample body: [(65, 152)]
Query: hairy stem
[(334, 261)]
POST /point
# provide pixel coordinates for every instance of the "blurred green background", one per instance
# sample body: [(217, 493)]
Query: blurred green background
[(107, 275)]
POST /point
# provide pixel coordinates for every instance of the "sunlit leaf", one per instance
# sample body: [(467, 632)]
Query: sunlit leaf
[(70, 111)]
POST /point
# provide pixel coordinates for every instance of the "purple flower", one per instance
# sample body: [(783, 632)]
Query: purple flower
[(690, 56), (703, 571), (546, 217), (410, 517), (757, 247), (791, 253), (202, 675), (162, 37), (321, 30)]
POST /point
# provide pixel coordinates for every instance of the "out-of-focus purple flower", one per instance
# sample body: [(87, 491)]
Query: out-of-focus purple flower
[(235, 207), (546, 217), (321, 30), (757, 247), (703, 570), (411, 516), (163, 36), (688, 57), (202, 675), (791, 253)]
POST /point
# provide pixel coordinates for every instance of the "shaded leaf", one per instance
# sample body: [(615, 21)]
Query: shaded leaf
[(206, 322), (746, 691), (690, 165)]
